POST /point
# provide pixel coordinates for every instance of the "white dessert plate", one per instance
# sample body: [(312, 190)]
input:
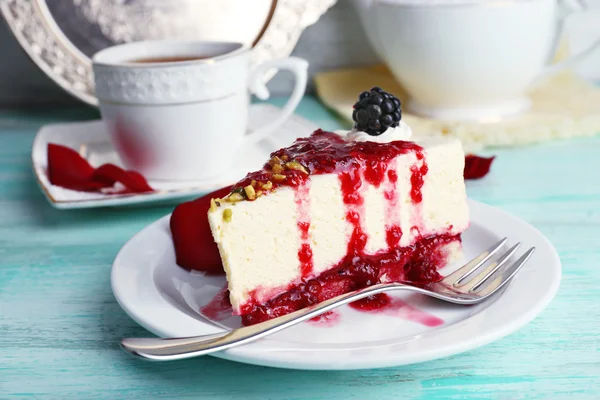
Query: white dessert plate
[(92, 142), (172, 302)]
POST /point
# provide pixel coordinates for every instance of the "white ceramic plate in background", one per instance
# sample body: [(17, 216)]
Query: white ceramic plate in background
[(61, 36), (581, 31), (92, 141), (166, 300)]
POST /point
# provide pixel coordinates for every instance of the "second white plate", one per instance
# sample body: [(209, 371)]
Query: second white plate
[(91, 140), (172, 302)]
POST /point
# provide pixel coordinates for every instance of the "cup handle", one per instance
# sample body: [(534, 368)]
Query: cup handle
[(296, 66), (571, 7)]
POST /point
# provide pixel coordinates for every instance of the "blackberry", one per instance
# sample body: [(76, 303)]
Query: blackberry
[(375, 111)]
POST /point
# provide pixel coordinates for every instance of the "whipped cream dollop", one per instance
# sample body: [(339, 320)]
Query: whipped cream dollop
[(401, 132)]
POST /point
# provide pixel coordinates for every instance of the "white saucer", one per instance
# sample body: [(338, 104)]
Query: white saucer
[(166, 300), (91, 140)]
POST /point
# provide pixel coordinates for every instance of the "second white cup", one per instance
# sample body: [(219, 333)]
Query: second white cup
[(471, 59)]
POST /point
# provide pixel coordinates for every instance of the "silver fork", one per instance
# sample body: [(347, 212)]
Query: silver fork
[(470, 284)]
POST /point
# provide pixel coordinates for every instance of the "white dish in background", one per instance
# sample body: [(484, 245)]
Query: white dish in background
[(61, 36), (166, 300), (92, 141), (482, 79)]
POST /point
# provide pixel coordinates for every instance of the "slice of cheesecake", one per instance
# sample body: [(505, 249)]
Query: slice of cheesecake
[(327, 216)]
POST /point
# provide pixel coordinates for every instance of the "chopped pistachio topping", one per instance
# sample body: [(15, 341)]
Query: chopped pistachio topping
[(284, 157), (277, 168), (295, 165), (227, 213), (275, 161), (250, 193), (233, 197), (267, 186), (259, 193), (279, 177)]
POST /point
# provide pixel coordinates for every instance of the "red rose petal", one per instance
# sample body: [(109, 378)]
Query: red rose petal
[(66, 168), (137, 179), (110, 173), (195, 248), (477, 167), (104, 174)]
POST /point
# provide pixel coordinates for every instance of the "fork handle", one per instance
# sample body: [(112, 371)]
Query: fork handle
[(158, 349)]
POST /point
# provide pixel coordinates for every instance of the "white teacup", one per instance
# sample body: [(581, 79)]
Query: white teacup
[(178, 110), (467, 59)]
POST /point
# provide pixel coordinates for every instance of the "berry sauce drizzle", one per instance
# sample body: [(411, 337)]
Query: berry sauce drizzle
[(219, 308), (417, 180), (330, 318), (384, 304), (305, 255), (393, 231)]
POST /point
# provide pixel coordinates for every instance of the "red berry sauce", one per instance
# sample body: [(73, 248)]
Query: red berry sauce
[(305, 255), (219, 308), (372, 303), (417, 264), (384, 304), (328, 319), (326, 153)]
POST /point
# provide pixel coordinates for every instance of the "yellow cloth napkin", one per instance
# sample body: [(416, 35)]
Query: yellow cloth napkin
[(564, 106)]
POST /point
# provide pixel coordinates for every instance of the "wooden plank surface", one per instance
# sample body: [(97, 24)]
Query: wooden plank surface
[(60, 325)]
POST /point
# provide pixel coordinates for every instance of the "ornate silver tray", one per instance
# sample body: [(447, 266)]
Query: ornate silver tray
[(60, 36)]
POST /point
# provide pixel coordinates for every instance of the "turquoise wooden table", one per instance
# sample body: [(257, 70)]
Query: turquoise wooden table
[(60, 325)]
